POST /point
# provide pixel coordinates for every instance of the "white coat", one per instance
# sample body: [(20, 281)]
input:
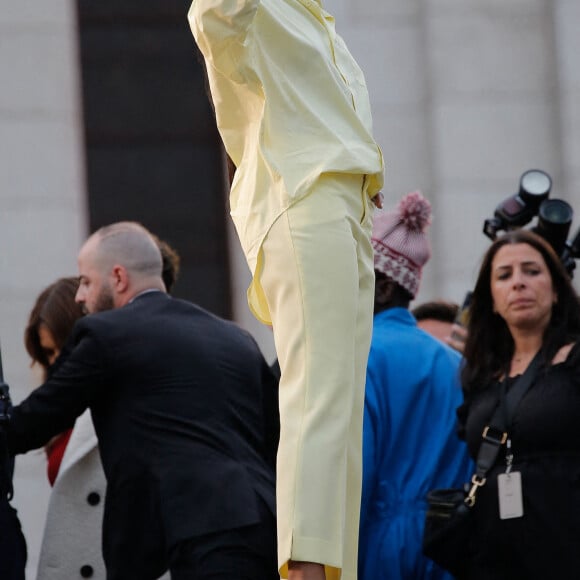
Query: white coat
[(71, 543)]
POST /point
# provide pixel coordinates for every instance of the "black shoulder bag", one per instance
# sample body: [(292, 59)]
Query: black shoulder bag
[(5, 465), (447, 533)]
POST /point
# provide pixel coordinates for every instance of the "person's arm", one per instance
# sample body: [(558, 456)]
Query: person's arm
[(220, 28), (370, 433), (70, 388)]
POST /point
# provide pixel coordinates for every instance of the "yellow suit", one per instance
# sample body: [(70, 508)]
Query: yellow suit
[(293, 111)]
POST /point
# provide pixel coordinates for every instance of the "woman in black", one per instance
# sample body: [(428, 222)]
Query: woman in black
[(524, 303)]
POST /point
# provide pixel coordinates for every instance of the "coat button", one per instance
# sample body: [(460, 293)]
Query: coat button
[(87, 571), (93, 498)]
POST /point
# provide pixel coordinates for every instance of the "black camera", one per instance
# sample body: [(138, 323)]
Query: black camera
[(554, 216), (517, 210)]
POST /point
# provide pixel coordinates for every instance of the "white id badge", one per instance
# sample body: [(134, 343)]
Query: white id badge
[(510, 495)]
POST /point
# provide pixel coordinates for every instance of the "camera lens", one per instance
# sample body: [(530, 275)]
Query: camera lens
[(554, 220), (556, 211), (535, 183)]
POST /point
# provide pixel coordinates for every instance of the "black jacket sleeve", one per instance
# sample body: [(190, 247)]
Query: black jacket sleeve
[(70, 389)]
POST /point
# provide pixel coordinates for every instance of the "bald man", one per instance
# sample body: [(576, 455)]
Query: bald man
[(176, 399)]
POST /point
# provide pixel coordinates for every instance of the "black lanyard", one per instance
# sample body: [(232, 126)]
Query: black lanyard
[(495, 433)]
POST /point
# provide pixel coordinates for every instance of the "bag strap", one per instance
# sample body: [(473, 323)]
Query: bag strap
[(495, 434)]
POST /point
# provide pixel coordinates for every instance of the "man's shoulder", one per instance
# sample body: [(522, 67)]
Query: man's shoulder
[(107, 320), (157, 308), (185, 307), (396, 337)]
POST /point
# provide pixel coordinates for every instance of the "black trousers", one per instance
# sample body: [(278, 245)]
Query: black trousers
[(12, 544), (247, 553)]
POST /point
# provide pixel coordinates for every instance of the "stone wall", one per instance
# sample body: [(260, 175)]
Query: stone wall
[(466, 95), (42, 201)]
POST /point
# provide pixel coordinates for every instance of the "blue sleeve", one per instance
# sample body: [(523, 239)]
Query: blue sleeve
[(371, 429)]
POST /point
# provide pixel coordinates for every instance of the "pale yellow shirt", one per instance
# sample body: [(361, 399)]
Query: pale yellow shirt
[(291, 104)]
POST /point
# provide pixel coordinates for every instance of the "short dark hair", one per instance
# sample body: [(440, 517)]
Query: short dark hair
[(436, 310), (389, 294), (489, 346), (56, 308)]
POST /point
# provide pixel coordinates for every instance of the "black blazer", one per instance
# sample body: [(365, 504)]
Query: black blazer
[(176, 396)]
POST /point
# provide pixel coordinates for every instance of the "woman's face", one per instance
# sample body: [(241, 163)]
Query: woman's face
[(521, 287), (47, 343)]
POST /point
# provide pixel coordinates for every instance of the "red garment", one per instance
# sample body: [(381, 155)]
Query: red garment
[(55, 452)]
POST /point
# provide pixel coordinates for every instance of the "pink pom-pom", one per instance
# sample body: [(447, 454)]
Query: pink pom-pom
[(415, 211)]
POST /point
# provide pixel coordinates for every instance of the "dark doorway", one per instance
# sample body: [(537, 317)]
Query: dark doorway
[(153, 153)]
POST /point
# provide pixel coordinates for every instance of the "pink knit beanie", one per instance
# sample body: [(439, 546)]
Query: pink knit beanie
[(400, 243)]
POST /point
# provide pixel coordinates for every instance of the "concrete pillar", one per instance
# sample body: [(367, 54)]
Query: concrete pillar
[(42, 213), (466, 96)]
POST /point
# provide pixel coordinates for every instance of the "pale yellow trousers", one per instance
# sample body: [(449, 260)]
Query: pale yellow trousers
[(316, 276)]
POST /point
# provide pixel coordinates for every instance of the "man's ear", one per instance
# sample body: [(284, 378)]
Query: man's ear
[(120, 279)]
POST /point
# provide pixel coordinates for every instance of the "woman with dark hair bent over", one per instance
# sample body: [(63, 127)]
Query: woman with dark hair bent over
[(524, 304)]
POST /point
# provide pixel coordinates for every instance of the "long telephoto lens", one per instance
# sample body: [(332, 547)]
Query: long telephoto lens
[(554, 221)]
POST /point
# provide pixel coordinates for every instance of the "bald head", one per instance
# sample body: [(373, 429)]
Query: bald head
[(130, 245), (116, 263)]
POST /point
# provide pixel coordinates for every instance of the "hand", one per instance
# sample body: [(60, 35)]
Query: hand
[(378, 200)]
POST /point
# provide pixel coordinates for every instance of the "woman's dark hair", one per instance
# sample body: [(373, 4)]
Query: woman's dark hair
[(56, 308), (171, 264), (489, 346)]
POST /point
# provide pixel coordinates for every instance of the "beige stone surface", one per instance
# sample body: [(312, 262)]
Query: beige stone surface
[(466, 95)]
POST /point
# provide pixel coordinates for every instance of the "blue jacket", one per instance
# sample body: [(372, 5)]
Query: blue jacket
[(410, 445)]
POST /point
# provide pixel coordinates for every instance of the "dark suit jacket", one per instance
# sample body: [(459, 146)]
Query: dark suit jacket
[(176, 396)]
